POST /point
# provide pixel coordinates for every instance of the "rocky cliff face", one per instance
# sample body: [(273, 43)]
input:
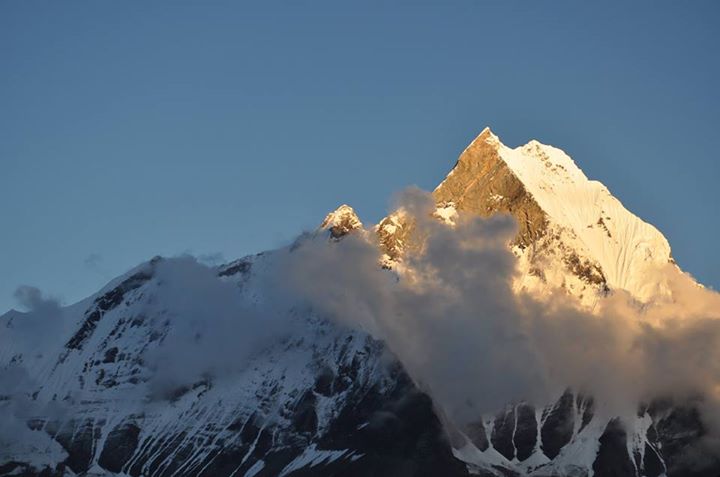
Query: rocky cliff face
[(482, 183), (323, 399), (341, 222)]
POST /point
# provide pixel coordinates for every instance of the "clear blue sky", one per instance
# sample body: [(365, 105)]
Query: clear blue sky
[(130, 129)]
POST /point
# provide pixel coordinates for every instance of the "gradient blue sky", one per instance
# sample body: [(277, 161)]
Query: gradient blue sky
[(130, 129)]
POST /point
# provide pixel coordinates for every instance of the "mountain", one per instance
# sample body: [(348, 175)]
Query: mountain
[(284, 390)]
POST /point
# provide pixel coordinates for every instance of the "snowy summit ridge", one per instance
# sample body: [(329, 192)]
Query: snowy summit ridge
[(558, 208)]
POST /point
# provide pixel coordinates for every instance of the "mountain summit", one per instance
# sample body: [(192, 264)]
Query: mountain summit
[(179, 369), (341, 221), (558, 210)]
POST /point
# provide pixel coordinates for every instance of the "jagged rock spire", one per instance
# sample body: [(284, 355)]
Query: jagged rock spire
[(341, 221)]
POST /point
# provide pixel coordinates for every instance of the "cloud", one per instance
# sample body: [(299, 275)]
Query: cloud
[(212, 330), (33, 334), (32, 299), (38, 328), (93, 260), (449, 314), (452, 318), (212, 259)]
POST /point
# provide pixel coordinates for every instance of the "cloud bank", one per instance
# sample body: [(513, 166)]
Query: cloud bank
[(40, 325), (449, 314), (212, 330), (464, 335)]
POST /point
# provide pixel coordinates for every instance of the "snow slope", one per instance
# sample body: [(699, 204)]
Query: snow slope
[(628, 249)]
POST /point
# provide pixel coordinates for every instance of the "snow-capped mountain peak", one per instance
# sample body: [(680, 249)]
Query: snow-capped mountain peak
[(554, 201), (135, 380), (486, 136), (341, 221), (627, 248)]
